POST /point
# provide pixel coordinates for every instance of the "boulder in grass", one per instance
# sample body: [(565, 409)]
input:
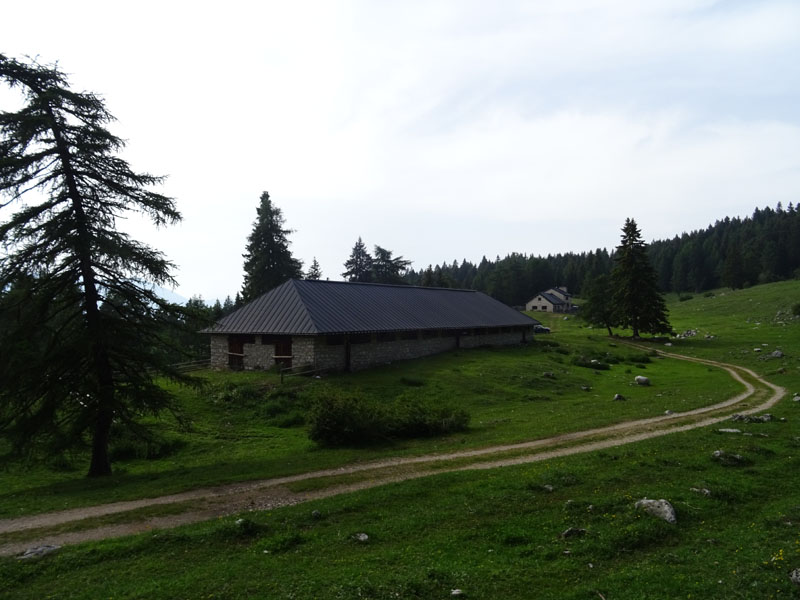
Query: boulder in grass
[(641, 380), (658, 508)]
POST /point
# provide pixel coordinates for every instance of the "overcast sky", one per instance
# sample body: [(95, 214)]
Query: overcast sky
[(440, 130)]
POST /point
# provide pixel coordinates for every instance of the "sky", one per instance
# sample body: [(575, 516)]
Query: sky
[(441, 130)]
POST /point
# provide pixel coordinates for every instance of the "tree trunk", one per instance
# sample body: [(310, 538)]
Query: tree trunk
[(100, 465)]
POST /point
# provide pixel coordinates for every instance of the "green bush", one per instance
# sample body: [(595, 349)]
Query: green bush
[(340, 419), (590, 363), (796, 310), (684, 297)]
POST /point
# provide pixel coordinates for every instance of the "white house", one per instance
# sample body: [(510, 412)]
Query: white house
[(556, 299)]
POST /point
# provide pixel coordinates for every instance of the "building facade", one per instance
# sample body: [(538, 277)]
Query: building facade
[(339, 326)]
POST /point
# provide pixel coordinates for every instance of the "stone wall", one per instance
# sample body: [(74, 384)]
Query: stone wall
[(363, 356), (495, 339), (258, 355), (219, 351), (314, 351)]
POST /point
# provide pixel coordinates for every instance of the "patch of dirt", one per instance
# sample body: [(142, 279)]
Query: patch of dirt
[(271, 493)]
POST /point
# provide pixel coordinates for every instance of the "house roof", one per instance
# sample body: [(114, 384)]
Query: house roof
[(552, 299), (308, 307)]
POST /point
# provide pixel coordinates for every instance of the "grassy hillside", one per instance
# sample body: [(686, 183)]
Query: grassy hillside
[(499, 533), (246, 425)]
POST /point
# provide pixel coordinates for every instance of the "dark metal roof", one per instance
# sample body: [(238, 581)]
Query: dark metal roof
[(307, 307), (553, 299)]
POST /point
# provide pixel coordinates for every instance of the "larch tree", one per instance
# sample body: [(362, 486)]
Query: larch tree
[(268, 262), (73, 283), (638, 302), (359, 266)]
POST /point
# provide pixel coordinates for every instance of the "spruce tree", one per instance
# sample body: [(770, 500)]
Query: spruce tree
[(314, 272), (638, 301), (359, 266), (268, 262), (83, 290)]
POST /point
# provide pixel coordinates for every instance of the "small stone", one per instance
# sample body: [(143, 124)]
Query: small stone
[(361, 537), (641, 380), (668, 412), (726, 430), (37, 552), (573, 532), (315, 514), (727, 459), (548, 488), (619, 397), (794, 576), (776, 354), (756, 349), (658, 508), (668, 344), (549, 375), (703, 491), (588, 388), (456, 592)]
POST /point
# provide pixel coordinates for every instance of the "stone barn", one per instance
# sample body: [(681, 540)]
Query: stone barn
[(340, 326)]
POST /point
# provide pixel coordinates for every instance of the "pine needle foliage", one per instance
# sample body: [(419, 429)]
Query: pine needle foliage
[(82, 324)]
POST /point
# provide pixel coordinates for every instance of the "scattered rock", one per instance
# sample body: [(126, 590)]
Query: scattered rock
[(776, 354), (456, 592), (549, 375), (548, 488), (619, 397), (641, 380), (703, 491), (765, 418), (728, 459), (729, 430), (668, 412), (794, 576), (756, 349), (586, 388), (658, 508), (361, 537), (573, 532), (37, 552), (315, 514), (669, 344)]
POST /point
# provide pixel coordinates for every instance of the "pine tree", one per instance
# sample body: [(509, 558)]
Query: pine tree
[(87, 284), (388, 269), (268, 262), (359, 266), (638, 301), (314, 272)]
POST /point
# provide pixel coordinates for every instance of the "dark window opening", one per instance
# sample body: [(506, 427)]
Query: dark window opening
[(387, 336), (361, 338)]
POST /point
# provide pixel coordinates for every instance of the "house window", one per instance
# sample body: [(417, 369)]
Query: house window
[(334, 340)]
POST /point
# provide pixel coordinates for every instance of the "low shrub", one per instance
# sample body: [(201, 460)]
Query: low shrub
[(796, 310), (684, 297), (590, 363), (340, 419), (138, 442)]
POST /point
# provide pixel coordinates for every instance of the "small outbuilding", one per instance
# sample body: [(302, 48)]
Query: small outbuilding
[(556, 300), (341, 326)]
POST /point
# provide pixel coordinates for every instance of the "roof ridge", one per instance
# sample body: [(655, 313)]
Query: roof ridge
[(378, 284)]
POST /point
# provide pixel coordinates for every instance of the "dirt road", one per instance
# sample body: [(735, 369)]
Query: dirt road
[(207, 503)]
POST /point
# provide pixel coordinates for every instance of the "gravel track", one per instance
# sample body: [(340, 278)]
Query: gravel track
[(271, 493)]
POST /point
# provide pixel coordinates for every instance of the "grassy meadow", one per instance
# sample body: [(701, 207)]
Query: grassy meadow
[(490, 534)]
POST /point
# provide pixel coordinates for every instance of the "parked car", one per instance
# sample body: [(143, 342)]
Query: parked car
[(540, 329)]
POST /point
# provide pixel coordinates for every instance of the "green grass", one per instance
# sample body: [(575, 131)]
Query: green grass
[(496, 533), (232, 429)]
